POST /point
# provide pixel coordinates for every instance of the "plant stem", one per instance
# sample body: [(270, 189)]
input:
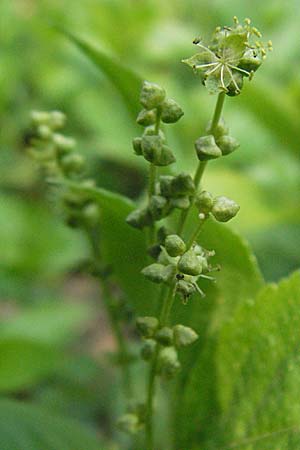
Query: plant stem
[(195, 234), (164, 317), (202, 164), (113, 320)]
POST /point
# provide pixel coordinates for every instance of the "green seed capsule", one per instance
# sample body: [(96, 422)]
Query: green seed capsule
[(151, 131), (158, 273), (184, 336), (152, 95), (63, 144), (207, 148), (165, 185), (224, 209), (152, 148), (148, 349), (182, 184), (129, 423), (235, 87), (72, 163), (146, 117), (204, 201), (139, 218), (164, 336), (171, 111), (227, 144), (158, 207), (175, 246), (168, 364), (181, 202), (190, 264), (137, 146), (91, 214), (165, 158), (147, 326), (220, 129)]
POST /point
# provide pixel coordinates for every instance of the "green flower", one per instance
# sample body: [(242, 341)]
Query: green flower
[(233, 53)]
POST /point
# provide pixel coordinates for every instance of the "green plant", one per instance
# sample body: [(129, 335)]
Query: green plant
[(186, 338)]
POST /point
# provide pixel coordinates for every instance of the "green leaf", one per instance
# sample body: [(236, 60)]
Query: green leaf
[(197, 388), (27, 427), (124, 248), (125, 80), (259, 369), (25, 362), (52, 324)]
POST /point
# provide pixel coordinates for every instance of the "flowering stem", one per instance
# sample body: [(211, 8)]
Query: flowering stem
[(202, 164), (195, 234)]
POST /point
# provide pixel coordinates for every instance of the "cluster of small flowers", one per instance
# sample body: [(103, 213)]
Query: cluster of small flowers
[(56, 154)]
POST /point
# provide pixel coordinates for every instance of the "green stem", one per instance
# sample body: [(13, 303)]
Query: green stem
[(195, 234), (164, 317), (202, 164)]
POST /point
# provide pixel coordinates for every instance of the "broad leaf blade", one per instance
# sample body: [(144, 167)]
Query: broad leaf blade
[(125, 80), (27, 427), (259, 367)]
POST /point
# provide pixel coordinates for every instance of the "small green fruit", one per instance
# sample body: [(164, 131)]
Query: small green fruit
[(171, 111), (224, 209), (182, 184), (152, 95), (204, 201), (137, 146), (164, 336), (190, 264), (139, 218), (146, 117), (147, 326), (227, 144), (207, 148), (184, 336), (174, 245), (148, 349)]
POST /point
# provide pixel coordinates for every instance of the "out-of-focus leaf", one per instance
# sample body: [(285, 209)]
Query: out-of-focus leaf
[(52, 324), (25, 362), (197, 407), (124, 248), (259, 369), (125, 80), (27, 427)]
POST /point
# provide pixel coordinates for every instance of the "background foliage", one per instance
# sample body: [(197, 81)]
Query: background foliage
[(53, 335)]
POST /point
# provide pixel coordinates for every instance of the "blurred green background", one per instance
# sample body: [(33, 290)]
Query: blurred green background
[(40, 288)]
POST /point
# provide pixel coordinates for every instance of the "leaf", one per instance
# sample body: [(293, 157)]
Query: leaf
[(197, 404), (25, 362), (124, 248), (28, 427), (259, 368), (125, 80), (50, 324)]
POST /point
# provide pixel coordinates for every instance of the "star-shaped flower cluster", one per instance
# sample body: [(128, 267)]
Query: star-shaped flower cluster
[(233, 53)]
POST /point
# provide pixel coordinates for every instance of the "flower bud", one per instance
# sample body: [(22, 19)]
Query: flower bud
[(148, 349), (57, 120), (147, 326), (220, 129), (39, 118), (227, 144), (181, 202), (190, 264), (146, 117), (184, 336), (204, 201), (137, 146), (207, 148), (171, 111), (224, 209), (91, 214), (63, 144), (168, 364), (152, 95), (129, 423), (175, 246), (139, 218), (164, 336), (158, 273), (44, 132), (182, 184), (157, 206), (152, 148), (72, 163)]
